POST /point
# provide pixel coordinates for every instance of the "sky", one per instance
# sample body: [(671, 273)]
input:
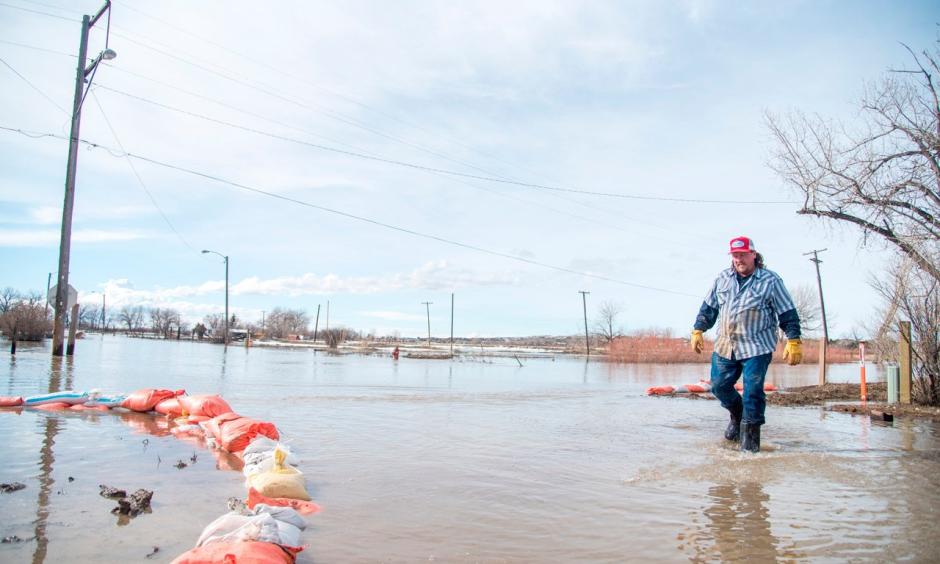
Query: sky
[(374, 156)]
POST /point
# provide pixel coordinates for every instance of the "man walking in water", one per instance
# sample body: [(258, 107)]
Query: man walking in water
[(748, 302)]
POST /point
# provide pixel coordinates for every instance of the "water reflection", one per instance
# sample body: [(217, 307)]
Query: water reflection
[(737, 527), (50, 429)]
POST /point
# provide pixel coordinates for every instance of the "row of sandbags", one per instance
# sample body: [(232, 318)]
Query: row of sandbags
[(699, 388), (267, 528)]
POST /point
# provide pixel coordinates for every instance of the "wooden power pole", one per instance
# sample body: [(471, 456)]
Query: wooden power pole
[(427, 306), (587, 341), (824, 344)]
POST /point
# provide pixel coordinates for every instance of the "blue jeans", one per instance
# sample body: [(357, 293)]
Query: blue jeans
[(725, 373)]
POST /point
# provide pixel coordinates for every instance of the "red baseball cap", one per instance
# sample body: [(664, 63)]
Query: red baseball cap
[(741, 245)]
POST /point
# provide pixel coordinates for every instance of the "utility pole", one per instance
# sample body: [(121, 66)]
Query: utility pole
[(65, 240), (262, 322), (427, 306), (451, 324), (327, 315), (824, 344), (587, 341), (104, 319), (316, 324)]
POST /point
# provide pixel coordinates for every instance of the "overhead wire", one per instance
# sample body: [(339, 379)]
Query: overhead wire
[(140, 180), (426, 168), (36, 88), (4, 4), (409, 231)]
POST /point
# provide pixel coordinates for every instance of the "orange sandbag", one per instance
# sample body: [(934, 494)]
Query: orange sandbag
[(248, 552), (299, 505), (197, 418), (232, 432), (170, 407), (208, 405), (11, 401), (54, 406), (768, 387), (699, 388), (659, 390), (148, 398)]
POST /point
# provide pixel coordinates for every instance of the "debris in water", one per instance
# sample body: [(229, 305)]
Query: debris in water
[(11, 538), (180, 464), (109, 492), (193, 457), (71, 479), (155, 550), (137, 503), (10, 488)]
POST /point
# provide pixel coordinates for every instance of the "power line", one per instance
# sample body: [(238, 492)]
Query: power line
[(140, 180), (37, 12), (36, 88), (35, 48), (429, 168), (348, 215)]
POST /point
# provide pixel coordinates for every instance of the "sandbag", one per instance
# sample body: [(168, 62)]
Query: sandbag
[(69, 397), (281, 481), (170, 407), (256, 498), (768, 387), (659, 390), (86, 407), (147, 398), (256, 462), (54, 406), (263, 527), (239, 553), (232, 432), (281, 513), (207, 405), (107, 401), (699, 388), (11, 401)]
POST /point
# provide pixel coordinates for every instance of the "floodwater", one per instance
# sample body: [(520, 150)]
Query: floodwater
[(465, 461)]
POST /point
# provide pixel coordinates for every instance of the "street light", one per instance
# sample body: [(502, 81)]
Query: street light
[(226, 291), (65, 242)]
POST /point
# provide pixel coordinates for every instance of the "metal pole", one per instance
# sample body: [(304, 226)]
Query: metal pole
[(905, 361), (226, 300), (451, 324), (104, 319), (327, 315), (824, 345), (427, 306), (587, 342), (65, 241)]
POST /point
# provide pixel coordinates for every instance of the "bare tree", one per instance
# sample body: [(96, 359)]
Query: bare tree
[(8, 298), (162, 320), (24, 318), (88, 316), (883, 177), (913, 295), (806, 299), (282, 322), (132, 317), (214, 323), (606, 326)]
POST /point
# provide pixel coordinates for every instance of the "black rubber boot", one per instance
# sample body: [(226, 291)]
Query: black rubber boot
[(733, 431), (750, 440)]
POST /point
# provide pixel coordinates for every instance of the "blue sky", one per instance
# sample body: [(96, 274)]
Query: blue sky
[(650, 99)]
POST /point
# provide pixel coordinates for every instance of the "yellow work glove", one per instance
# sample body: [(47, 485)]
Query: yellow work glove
[(698, 341), (793, 353)]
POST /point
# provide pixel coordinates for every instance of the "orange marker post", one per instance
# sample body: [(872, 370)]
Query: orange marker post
[(861, 354)]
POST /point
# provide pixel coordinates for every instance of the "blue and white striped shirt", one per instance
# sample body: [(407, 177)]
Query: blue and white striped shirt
[(747, 313)]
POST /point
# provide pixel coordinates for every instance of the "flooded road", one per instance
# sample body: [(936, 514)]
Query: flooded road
[(421, 460)]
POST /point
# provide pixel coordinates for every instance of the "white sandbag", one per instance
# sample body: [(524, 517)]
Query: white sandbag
[(263, 527), (260, 444), (283, 514)]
